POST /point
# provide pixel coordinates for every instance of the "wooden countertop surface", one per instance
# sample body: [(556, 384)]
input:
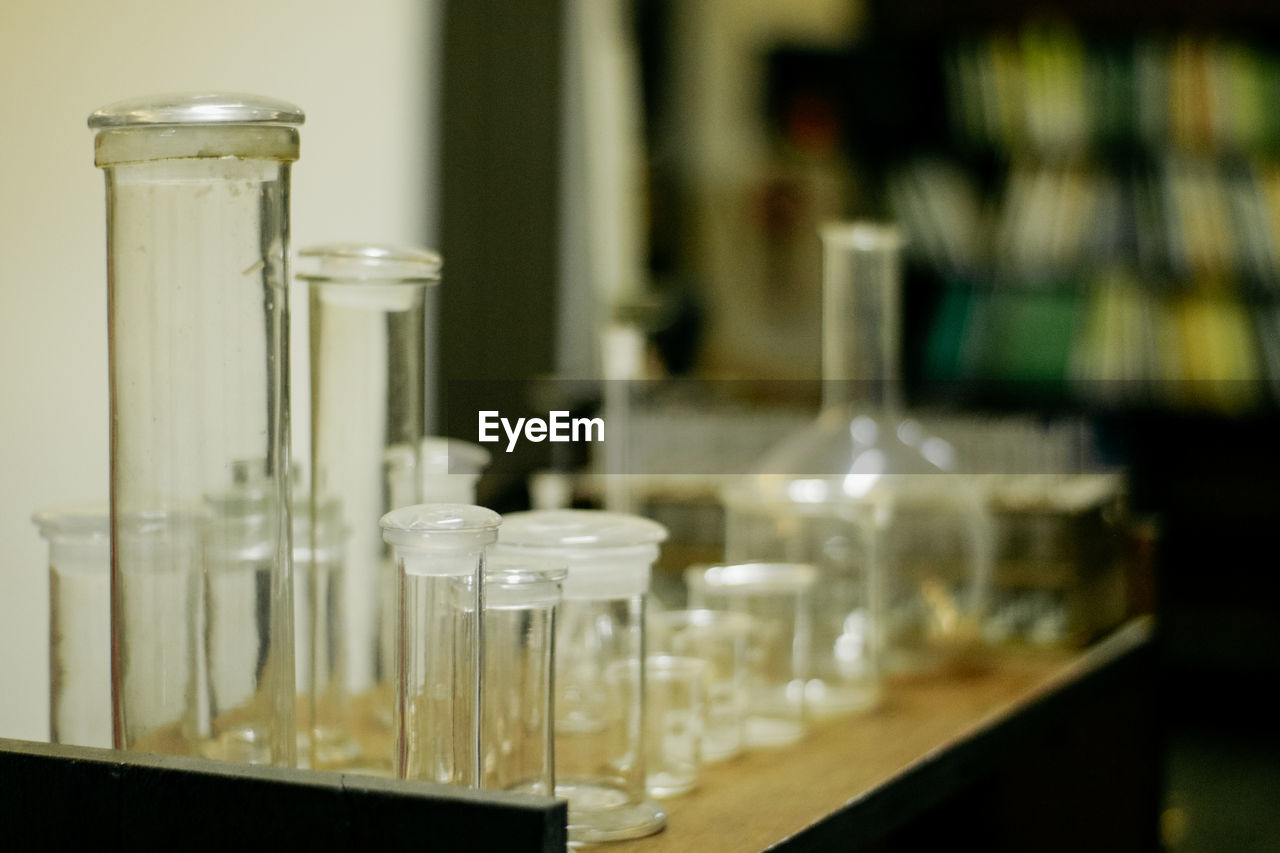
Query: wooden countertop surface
[(853, 777)]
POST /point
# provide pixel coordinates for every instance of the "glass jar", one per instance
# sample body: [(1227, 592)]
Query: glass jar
[(521, 596), (367, 384), (776, 600), (79, 539), (197, 248), (439, 563), (599, 727)]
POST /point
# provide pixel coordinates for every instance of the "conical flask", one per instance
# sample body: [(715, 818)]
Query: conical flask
[(901, 542)]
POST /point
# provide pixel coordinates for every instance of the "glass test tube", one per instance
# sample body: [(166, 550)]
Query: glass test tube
[(439, 561), (79, 623), (599, 727), (197, 246), (516, 735), (367, 349), (776, 598)]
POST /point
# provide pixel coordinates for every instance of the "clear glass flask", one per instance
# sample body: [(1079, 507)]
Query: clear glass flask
[(901, 542), (439, 552), (367, 385), (79, 539), (599, 726), (197, 248), (517, 751)]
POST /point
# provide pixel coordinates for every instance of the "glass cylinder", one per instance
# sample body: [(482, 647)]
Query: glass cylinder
[(197, 247), (719, 639), (367, 384), (517, 751), (439, 562), (599, 727), (901, 541), (450, 469), (777, 599), (79, 623)]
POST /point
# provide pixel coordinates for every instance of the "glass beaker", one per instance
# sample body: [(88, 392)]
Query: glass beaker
[(777, 600), (439, 563), (720, 639), (901, 542), (599, 727), (521, 596), (197, 247), (79, 539), (367, 331)]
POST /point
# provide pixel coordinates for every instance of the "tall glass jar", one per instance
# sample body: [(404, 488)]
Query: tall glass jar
[(367, 384), (197, 248), (902, 542)]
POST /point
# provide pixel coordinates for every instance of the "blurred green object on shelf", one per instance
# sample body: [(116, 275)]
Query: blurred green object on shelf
[(1022, 337)]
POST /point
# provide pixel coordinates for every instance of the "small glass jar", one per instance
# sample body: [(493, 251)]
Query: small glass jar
[(521, 595), (675, 718), (777, 599), (599, 728), (718, 638), (79, 623), (439, 562)]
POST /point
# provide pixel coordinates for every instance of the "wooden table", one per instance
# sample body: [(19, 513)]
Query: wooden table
[(1025, 751)]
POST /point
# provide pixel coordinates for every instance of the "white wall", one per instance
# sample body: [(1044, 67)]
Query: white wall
[(361, 71)]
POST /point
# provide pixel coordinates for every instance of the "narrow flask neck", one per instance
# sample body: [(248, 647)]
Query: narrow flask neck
[(862, 317)]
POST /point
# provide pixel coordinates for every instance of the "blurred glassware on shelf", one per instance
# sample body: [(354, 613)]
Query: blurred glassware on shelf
[(367, 385), (197, 267), (450, 469), (719, 639), (79, 537), (777, 600), (675, 711)]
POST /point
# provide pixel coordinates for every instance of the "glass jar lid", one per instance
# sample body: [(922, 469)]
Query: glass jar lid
[(425, 519), (201, 108), (90, 520), (580, 528), (353, 262)]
